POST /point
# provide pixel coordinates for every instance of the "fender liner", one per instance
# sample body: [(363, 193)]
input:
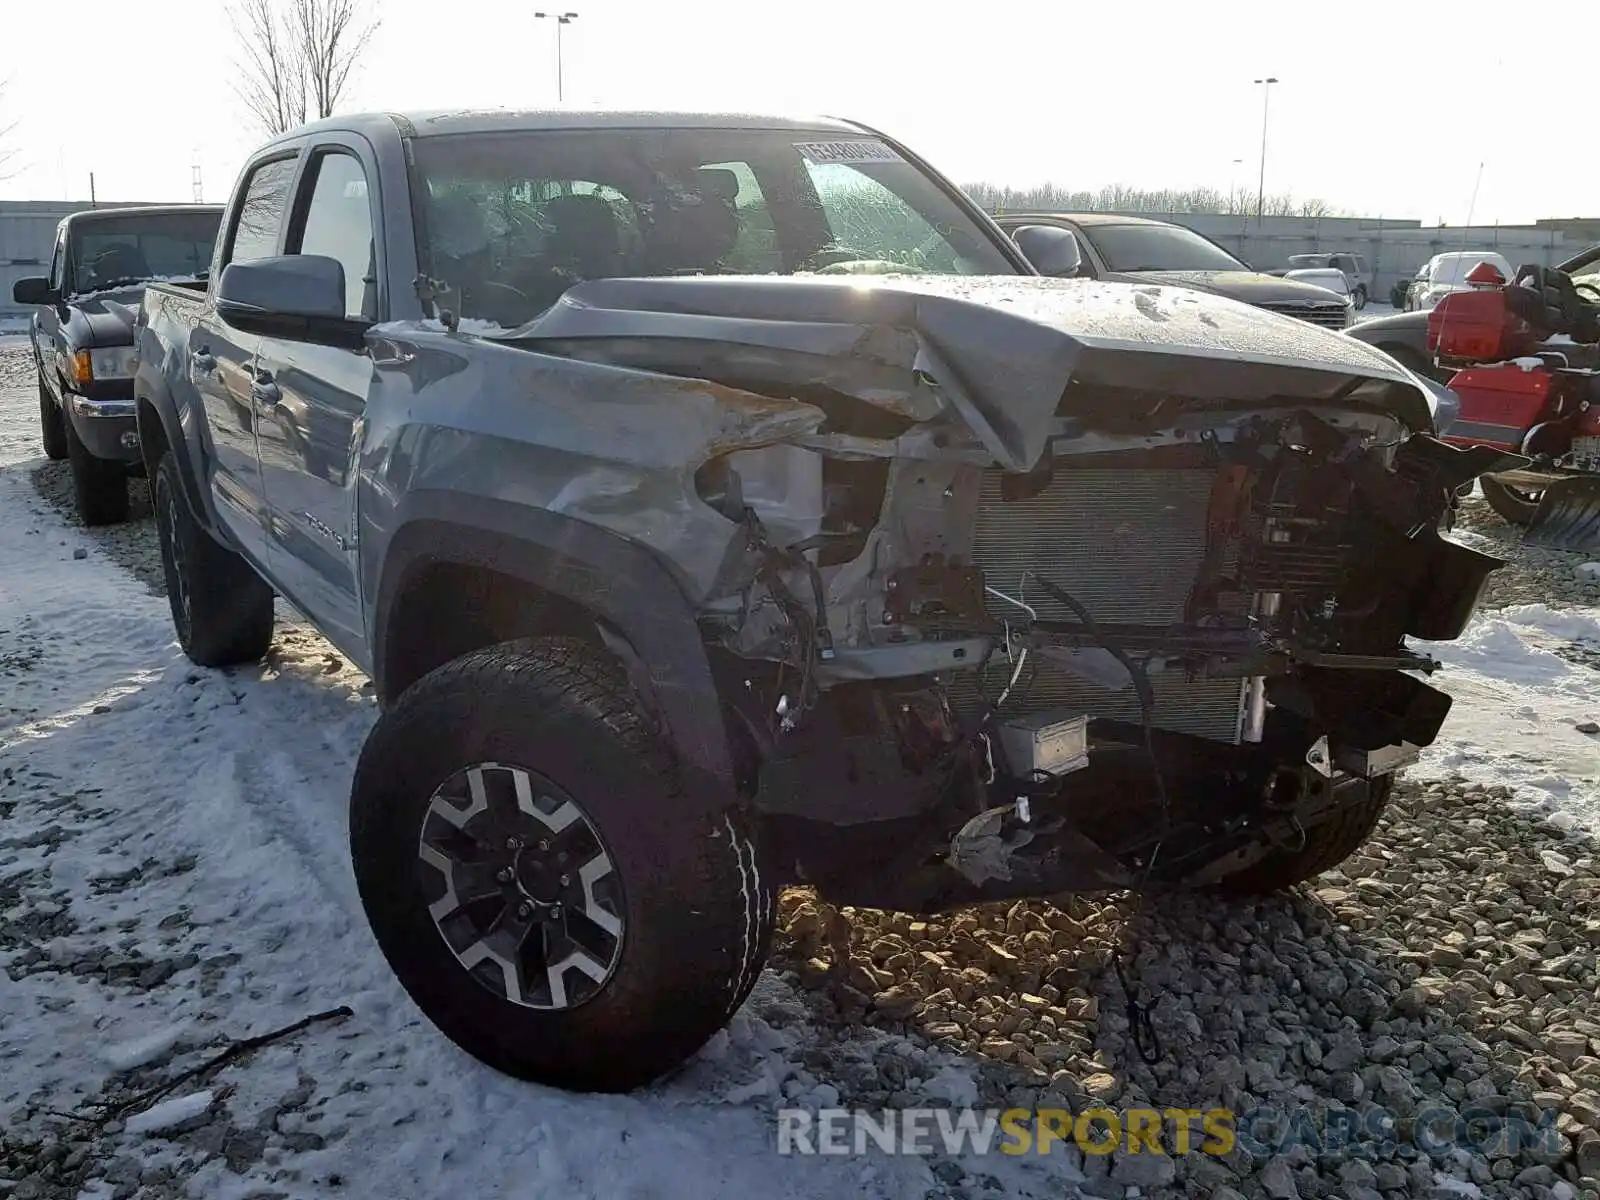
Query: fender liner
[(622, 582)]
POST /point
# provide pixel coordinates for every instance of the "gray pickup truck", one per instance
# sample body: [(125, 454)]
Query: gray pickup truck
[(82, 334), (723, 503)]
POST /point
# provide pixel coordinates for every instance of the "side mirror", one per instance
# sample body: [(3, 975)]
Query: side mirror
[(1051, 250), (297, 296), (35, 289)]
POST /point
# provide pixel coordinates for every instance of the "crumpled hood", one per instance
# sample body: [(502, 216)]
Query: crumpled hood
[(1250, 286), (1001, 350)]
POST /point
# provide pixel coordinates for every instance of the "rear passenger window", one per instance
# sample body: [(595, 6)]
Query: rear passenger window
[(255, 229), (338, 223)]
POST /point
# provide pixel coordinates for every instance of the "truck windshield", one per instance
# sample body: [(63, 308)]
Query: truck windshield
[(509, 221), (1158, 248), (113, 251)]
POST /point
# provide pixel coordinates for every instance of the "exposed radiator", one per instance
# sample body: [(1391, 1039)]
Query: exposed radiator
[(1127, 545)]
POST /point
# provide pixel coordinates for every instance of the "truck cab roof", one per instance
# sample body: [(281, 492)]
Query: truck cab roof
[(87, 215), (440, 122)]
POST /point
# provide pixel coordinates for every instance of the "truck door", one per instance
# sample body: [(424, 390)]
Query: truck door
[(46, 324), (314, 398), (222, 362)]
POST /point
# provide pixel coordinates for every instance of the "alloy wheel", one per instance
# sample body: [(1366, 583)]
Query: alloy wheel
[(521, 886)]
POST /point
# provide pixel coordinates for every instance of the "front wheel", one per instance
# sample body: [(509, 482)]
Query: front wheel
[(1514, 506), (1324, 846), (52, 424), (536, 878), (1361, 298), (221, 609), (99, 485)]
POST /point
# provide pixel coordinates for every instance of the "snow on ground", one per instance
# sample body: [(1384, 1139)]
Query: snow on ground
[(173, 853), (1526, 683), (1374, 308)]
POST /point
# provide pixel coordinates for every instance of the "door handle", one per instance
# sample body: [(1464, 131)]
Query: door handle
[(264, 394)]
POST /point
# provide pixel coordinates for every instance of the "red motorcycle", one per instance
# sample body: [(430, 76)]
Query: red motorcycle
[(1526, 356)]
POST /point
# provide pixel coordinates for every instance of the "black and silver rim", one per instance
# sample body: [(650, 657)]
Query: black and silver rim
[(521, 886), (172, 546)]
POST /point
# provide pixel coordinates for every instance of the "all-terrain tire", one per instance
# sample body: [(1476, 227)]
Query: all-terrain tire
[(221, 609), (696, 909), (52, 425), (99, 485), (1326, 846), (1512, 506)]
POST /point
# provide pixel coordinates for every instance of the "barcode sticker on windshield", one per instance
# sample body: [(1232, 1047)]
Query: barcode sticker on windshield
[(855, 150)]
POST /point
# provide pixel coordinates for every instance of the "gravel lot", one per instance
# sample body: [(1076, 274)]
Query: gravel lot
[(1450, 968)]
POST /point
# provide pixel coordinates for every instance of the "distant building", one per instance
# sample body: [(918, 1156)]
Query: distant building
[(1581, 229)]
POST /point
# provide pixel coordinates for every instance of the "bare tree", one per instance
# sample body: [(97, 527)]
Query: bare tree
[(332, 35), (1123, 198), (271, 81), (298, 57)]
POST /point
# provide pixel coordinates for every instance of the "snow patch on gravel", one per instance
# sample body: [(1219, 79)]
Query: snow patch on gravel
[(1525, 679), (169, 1113)]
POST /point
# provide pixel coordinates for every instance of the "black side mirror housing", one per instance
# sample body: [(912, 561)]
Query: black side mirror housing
[(35, 289), (299, 296), (1052, 250)]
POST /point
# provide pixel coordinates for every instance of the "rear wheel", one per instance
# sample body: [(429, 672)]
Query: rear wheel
[(537, 881), (52, 424), (99, 485), (1512, 504), (1325, 846), (221, 609)]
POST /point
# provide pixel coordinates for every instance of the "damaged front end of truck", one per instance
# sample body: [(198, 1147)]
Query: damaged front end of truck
[(1023, 586)]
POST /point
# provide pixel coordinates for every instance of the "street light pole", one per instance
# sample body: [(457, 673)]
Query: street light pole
[(560, 19), (1261, 186)]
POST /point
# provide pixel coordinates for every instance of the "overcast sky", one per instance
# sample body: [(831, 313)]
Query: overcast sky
[(1386, 110)]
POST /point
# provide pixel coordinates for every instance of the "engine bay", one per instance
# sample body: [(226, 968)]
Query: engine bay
[(1010, 669)]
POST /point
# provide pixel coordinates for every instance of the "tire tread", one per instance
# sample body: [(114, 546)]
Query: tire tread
[(231, 607), (1327, 845), (692, 968)]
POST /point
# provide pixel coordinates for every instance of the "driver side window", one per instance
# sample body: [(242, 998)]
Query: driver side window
[(57, 258), (862, 214)]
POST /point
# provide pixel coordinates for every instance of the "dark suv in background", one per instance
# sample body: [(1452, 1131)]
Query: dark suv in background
[(1139, 250), (82, 334)]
